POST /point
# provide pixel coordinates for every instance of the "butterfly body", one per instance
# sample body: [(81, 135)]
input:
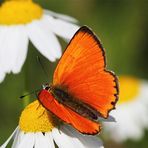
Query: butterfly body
[(82, 89), (65, 98)]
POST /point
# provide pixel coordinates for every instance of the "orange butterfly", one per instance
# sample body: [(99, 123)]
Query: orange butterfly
[(82, 88)]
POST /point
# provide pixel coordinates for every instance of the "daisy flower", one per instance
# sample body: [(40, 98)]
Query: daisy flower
[(131, 112), (24, 20), (38, 128)]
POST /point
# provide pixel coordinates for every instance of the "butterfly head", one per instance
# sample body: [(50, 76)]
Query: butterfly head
[(46, 86)]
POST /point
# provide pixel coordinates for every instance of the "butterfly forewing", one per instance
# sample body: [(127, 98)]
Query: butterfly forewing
[(82, 70)]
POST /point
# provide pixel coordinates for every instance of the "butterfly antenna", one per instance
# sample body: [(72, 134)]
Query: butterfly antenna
[(34, 92), (42, 66)]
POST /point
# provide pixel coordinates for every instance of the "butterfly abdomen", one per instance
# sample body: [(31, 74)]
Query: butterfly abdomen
[(68, 100)]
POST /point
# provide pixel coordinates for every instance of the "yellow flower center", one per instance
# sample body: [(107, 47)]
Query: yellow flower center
[(129, 89), (15, 12), (36, 118)]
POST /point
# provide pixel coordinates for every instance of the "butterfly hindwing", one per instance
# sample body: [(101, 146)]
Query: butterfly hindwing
[(82, 124)]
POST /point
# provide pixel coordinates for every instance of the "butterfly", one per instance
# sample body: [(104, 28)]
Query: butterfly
[(82, 88)]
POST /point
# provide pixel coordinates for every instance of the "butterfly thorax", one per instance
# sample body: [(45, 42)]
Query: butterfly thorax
[(68, 100)]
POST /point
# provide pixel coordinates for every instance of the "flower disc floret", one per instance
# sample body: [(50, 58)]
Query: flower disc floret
[(15, 12), (36, 118)]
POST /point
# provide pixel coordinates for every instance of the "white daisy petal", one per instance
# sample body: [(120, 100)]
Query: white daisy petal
[(2, 76), (21, 42), (130, 121), (13, 53), (125, 127), (144, 92), (43, 141), (50, 139), (131, 113), (44, 24), (8, 140), (61, 16), (44, 41), (18, 137), (28, 141), (62, 28), (2, 58), (65, 141), (6, 54), (87, 141)]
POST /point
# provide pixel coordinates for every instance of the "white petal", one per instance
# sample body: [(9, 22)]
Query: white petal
[(11, 48), (17, 139), (6, 52), (61, 16), (2, 76), (44, 24), (62, 28), (43, 141), (2, 68), (65, 141), (72, 139), (20, 43), (87, 141), (45, 41), (130, 122), (8, 140), (49, 135), (144, 92), (27, 141)]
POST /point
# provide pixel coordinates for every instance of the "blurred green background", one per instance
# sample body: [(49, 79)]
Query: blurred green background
[(122, 26)]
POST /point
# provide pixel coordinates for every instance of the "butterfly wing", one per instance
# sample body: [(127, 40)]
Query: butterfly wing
[(64, 113), (81, 70)]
